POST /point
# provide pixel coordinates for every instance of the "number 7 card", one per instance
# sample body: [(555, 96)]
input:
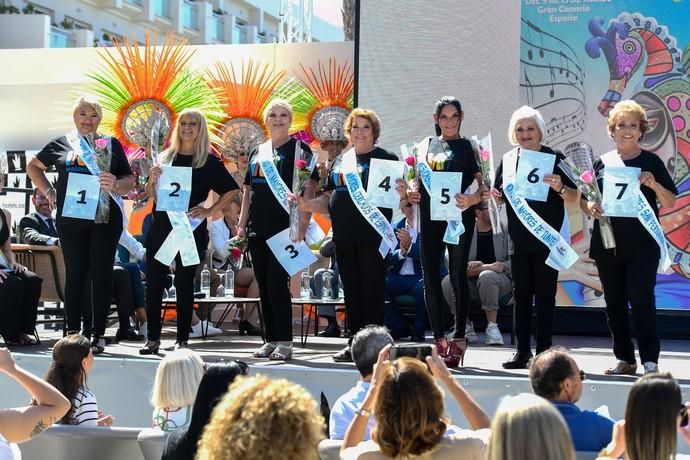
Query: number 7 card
[(621, 186)]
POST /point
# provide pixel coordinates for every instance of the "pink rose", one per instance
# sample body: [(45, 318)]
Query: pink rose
[(301, 164), (484, 154), (101, 143), (235, 253), (410, 160), (587, 177)]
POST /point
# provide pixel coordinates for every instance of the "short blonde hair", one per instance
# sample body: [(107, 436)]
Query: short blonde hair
[(628, 106), (201, 144), (528, 426), (277, 103), (88, 101), (368, 115), (525, 113), (263, 419), (177, 379)]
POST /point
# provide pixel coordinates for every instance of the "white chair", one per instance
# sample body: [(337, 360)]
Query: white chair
[(67, 442), (152, 442), (329, 449)]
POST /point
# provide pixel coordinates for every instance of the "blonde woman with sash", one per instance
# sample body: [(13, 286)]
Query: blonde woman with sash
[(181, 238), (535, 264), (267, 183), (88, 244), (628, 272)]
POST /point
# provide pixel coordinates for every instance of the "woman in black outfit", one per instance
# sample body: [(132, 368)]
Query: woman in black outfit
[(20, 289), (88, 245), (189, 148), (628, 272), (532, 278), (262, 217), (362, 269)]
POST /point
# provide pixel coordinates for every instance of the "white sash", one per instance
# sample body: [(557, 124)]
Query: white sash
[(370, 212), (561, 255), (276, 183), (88, 156), (645, 214), (455, 228)]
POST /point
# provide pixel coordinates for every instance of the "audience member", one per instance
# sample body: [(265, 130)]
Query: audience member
[(366, 345), (263, 419), (556, 377), (408, 407), (529, 427), (182, 443), (652, 419), (38, 227), (20, 424), (72, 363), (175, 388)]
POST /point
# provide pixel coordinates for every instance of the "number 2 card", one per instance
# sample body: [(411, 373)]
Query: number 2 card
[(81, 196), (293, 256), (529, 179), (381, 187), (174, 189), (621, 186)]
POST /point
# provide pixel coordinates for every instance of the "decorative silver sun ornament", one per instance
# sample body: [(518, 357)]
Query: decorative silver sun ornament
[(240, 135), (138, 121), (328, 123)]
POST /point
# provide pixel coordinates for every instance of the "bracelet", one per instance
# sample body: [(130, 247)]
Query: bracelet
[(363, 412)]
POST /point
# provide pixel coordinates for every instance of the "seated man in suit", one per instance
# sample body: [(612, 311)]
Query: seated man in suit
[(39, 227)]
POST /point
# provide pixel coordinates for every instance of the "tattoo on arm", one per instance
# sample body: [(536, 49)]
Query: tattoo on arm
[(41, 426)]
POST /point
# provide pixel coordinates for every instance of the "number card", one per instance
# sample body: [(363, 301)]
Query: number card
[(444, 187), (293, 256), (621, 186), (174, 189), (81, 197), (381, 186), (529, 179)]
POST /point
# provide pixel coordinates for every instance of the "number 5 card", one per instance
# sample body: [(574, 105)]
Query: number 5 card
[(529, 179), (81, 196), (293, 256), (174, 188), (444, 187), (381, 187), (621, 186)]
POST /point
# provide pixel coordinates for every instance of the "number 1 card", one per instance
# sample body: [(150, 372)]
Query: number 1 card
[(174, 188), (621, 186), (381, 187), (529, 179), (81, 196), (293, 256)]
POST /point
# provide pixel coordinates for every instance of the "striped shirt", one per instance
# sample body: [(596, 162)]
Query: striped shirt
[(84, 409)]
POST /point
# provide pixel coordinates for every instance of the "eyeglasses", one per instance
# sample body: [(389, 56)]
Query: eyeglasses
[(683, 415), (582, 375)]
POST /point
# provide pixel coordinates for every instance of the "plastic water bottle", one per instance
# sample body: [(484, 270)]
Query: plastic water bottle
[(341, 292), (229, 283), (206, 281), (326, 293), (305, 285)]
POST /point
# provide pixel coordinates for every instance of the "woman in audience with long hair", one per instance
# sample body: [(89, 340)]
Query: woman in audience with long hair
[(527, 426), (20, 424), (654, 415), (72, 363), (408, 408), (182, 444), (263, 419)]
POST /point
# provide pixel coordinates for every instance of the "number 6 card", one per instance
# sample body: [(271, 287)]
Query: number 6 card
[(293, 256), (529, 179), (381, 186), (621, 186), (444, 187), (174, 188), (81, 196)]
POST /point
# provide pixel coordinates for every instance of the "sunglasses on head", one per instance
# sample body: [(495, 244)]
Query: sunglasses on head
[(683, 415), (582, 375)]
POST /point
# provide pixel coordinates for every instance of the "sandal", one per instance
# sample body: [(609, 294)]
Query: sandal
[(265, 350), (455, 353), (281, 353), (97, 345), (622, 368)]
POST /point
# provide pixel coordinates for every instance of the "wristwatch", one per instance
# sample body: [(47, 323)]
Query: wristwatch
[(562, 190)]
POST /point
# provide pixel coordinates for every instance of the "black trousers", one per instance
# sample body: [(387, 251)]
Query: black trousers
[(19, 294), (631, 283), (432, 248), (89, 248), (122, 295), (363, 273), (156, 281), (533, 280), (274, 291)]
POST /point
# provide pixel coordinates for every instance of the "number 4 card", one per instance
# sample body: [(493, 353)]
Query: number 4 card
[(529, 179), (174, 188), (621, 186), (293, 256), (381, 187)]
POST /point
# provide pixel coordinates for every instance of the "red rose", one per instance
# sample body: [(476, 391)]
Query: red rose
[(301, 164), (235, 253)]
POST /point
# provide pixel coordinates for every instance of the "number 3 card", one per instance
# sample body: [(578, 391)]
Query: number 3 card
[(444, 187), (293, 256), (529, 179), (381, 187), (174, 188), (621, 186), (81, 197)]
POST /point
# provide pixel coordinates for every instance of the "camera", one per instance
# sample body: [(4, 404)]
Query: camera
[(410, 350)]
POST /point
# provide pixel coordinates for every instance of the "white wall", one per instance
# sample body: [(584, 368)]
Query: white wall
[(24, 31)]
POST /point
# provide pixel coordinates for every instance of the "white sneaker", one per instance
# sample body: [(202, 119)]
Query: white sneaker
[(650, 367), (197, 330), (493, 335), (470, 335)]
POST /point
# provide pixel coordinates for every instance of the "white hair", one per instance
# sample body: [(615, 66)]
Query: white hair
[(523, 113), (177, 379)]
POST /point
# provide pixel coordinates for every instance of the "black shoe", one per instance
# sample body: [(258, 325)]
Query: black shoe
[(418, 338), (400, 334), (333, 330), (520, 360), (97, 345), (151, 348), (247, 328), (343, 356), (129, 335), (177, 346)]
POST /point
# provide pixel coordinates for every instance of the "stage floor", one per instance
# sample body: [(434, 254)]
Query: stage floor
[(593, 354)]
